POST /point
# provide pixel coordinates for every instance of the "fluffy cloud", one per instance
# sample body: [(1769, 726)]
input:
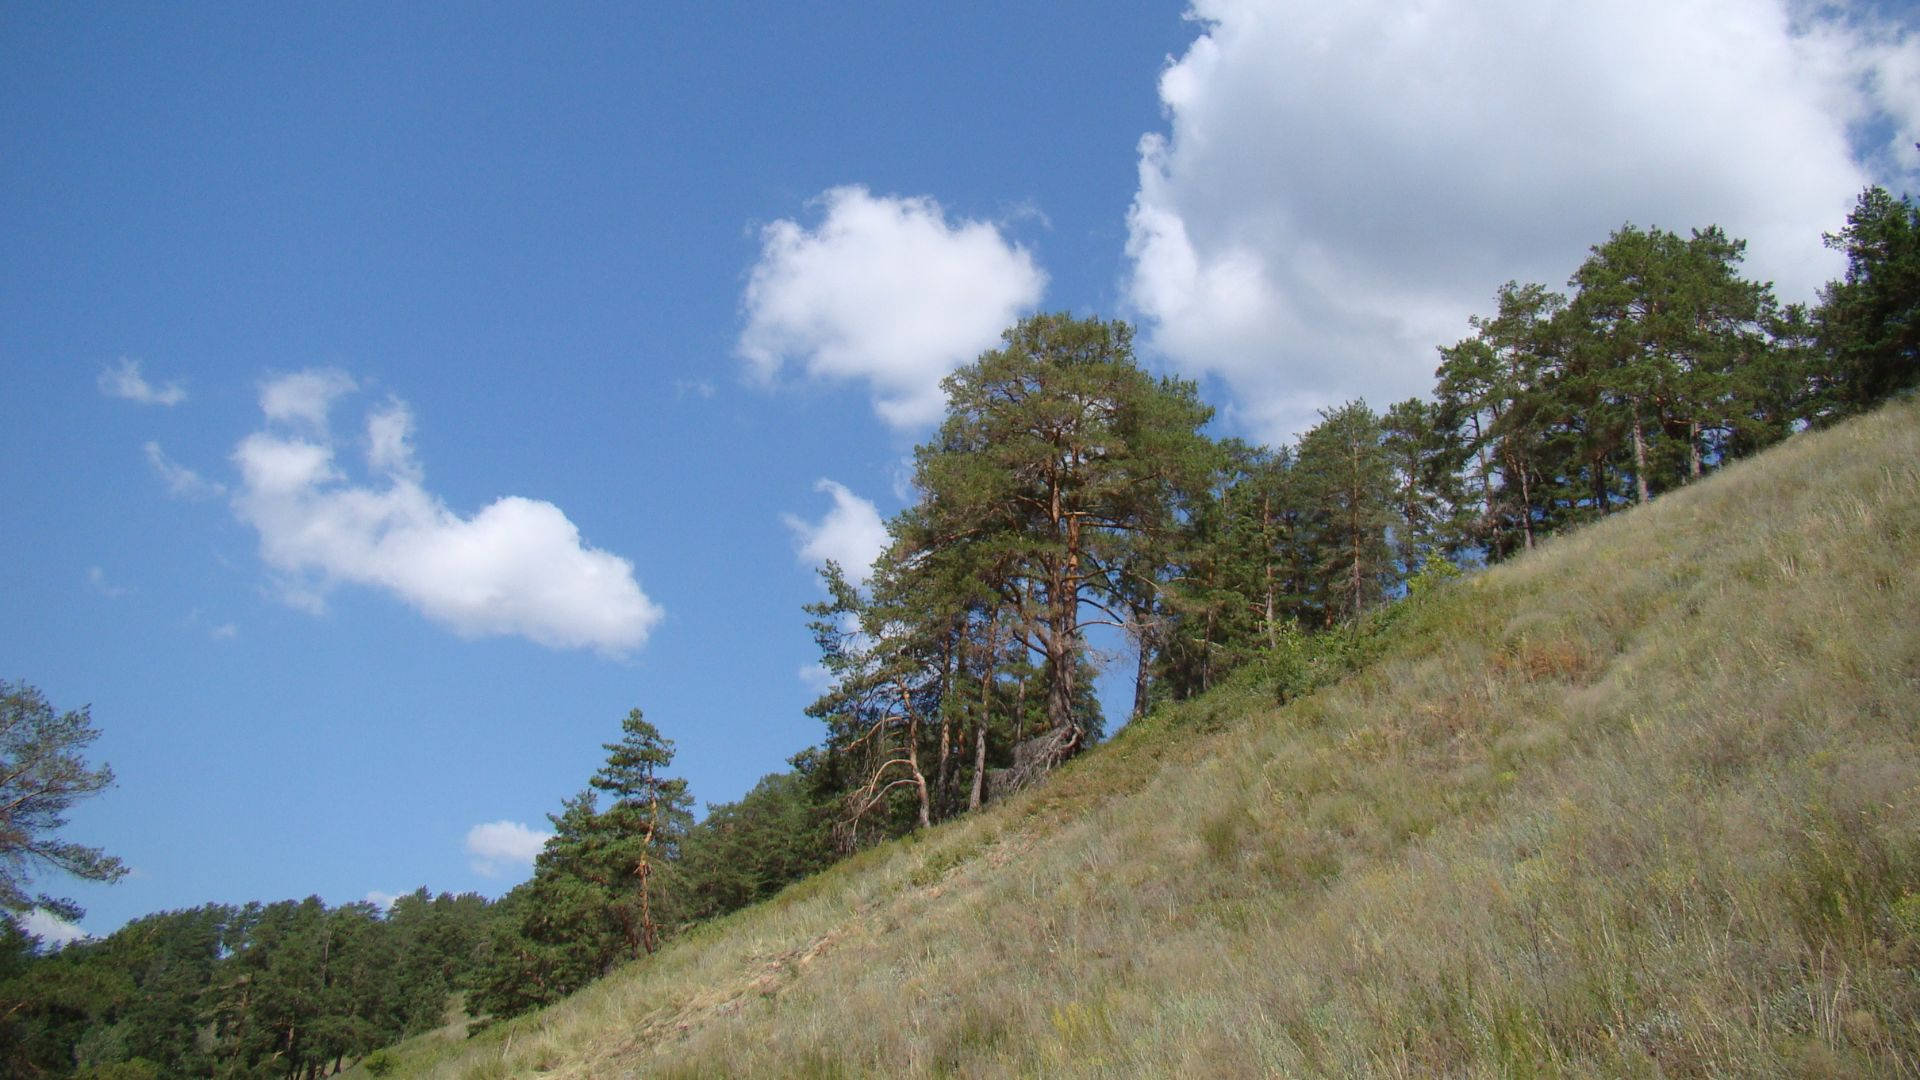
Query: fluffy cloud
[(49, 927), (501, 846), (850, 534), (182, 482), (884, 290), (1343, 184), (125, 381), (518, 566)]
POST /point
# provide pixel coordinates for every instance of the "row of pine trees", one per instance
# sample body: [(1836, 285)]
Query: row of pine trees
[(1068, 497)]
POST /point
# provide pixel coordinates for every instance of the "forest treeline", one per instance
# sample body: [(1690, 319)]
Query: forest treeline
[(1067, 490)]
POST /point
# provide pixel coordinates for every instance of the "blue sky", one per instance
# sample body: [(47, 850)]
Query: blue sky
[(390, 400)]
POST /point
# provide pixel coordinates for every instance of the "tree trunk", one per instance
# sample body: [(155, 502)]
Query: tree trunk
[(950, 691), (1266, 545), (1486, 468), (1141, 671), (975, 797), (1526, 508), (1020, 712), (1639, 460), (980, 721), (913, 759), (1206, 655), (1063, 638)]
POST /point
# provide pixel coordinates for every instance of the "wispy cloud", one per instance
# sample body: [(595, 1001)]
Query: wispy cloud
[(123, 380), (181, 482), (97, 578), (887, 291), (816, 678), (500, 847), (516, 567), (305, 397)]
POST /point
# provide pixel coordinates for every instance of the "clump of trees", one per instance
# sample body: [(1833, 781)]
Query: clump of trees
[(1068, 488), (612, 882), (603, 885), (288, 990)]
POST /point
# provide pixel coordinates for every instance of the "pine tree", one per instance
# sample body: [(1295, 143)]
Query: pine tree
[(1347, 489), (1870, 320), (649, 816), (1058, 448), (42, 774)]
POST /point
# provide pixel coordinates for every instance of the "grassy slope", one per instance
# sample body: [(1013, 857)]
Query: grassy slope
[(1644, 802)]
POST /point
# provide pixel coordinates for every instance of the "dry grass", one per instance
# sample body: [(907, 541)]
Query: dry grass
[(1644, 803)]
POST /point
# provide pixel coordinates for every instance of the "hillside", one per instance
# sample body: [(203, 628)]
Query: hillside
[(1645, 801)]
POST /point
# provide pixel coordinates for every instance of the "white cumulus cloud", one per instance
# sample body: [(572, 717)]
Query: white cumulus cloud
[(851, 534), (124, 380), (518, 566), (886, 290), (498, 847), (1342, 185)]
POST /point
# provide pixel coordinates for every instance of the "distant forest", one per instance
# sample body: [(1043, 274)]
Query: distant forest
[(1067, 489)]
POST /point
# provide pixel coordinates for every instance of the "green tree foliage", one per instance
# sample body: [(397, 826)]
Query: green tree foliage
[(1054, 497), (1663, 364), (743, 852), (645, 824), (1228, 584), (1870, 321), (1664, 323), (43, 773), (438, 941), (1493, 411), (1347, 488), (603, 887), (1425, 494), (1059, 450), (291, 989)]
